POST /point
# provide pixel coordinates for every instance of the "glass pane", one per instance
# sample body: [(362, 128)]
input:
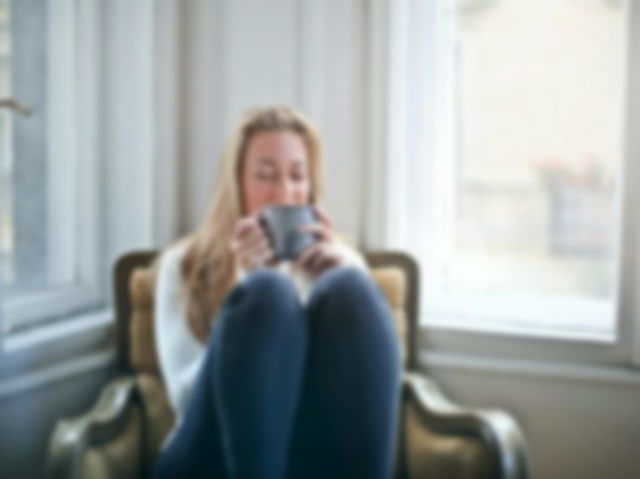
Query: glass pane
[(23, 148), (537, 135), (6, 220)]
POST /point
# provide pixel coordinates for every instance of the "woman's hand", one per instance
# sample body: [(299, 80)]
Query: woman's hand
[(250, 245), (326, 253)]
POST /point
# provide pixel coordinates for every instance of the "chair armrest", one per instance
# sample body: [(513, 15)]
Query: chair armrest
[(495, 428), (104, 422)]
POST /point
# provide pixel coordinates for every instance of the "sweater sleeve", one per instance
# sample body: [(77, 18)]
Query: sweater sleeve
[(179, 352)]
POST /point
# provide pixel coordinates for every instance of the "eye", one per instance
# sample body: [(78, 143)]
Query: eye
[(265, 176), (299, 176)]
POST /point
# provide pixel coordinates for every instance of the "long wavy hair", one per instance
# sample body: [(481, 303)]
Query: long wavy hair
[(208, 270)]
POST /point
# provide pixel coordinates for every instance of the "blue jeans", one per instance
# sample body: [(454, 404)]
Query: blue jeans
[(288, 391)]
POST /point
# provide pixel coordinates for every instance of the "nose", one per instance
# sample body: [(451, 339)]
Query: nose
[(284, 192)]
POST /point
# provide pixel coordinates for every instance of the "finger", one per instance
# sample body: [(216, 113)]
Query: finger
[(241, 245), (248, 245), (320, 230), (237, 244), (246, 226), (307, 254), (242, 226), (323, 216), (256, 258), (324, 267), (323, 261), (254, 242), (265, 253), (316, 260), (251, 231), (311, 267)]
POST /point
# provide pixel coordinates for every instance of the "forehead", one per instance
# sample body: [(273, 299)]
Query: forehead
[(276, 147)]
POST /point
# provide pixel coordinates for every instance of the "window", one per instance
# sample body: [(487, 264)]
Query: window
[(512, 147), (48, 244), (6, 236)]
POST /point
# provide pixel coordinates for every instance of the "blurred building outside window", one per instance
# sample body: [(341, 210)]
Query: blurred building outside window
[(528, 166)]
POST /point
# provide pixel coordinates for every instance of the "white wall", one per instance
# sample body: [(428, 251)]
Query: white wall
[(305, 53), (577, 425)]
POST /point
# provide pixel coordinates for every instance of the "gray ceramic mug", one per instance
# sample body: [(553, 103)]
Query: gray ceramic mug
[(282, 224)]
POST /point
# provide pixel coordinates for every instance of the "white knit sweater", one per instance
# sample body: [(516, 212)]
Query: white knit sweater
[(179, 353)]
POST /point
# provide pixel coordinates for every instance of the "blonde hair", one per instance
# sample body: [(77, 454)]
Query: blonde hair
[(208, 269)]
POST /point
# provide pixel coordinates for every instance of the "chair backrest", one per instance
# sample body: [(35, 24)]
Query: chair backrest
[(395, 272)]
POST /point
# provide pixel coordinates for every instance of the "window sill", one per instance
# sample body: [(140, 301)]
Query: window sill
[(94, 323), (516, 343), (58, 347), (27, 381), (617, 375), (32, 309), (521, 331)]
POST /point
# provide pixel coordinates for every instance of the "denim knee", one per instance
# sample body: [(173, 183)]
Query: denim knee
[(263, 285), (262, 298), (270, 285), (348, 307), (347, 287)]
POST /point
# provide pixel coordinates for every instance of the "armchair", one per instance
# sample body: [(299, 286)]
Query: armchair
[(123, 432)]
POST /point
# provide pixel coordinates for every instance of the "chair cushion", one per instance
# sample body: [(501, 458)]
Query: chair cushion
[(141, 339)]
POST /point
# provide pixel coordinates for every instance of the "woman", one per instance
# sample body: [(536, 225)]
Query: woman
[(273, 369)]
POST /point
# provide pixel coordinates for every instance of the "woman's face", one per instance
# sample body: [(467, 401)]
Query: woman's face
[(275, 171)]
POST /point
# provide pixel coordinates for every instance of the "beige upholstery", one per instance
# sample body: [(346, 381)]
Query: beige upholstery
[(142, 347)]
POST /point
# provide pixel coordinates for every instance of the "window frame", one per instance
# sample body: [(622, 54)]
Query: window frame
[(74, 192), (395, 122), (128, 58), (450, 309)]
